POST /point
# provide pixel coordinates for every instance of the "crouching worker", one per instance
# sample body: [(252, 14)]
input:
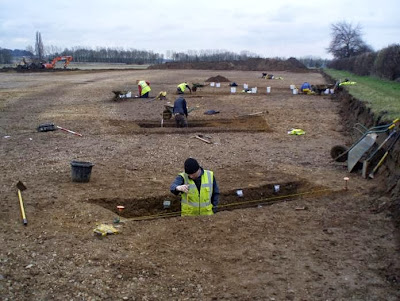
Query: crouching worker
[(305, 88), (144, 88), (198, 189), (180, 89)]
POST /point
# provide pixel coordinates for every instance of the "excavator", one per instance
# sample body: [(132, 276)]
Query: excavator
[(52, 64)]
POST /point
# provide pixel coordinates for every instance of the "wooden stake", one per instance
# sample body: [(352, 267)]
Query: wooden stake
[(204, 140)]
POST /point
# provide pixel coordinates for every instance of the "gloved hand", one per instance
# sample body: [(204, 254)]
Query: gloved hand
[(182, 188)]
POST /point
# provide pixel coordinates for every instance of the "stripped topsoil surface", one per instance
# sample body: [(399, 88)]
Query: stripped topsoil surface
[(296, 234)]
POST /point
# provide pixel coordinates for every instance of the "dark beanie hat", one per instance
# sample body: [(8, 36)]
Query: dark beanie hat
[(191, 166)]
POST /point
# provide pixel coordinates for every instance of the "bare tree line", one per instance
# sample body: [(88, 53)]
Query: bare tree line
[(209, 55), (112, 55), (131, 56), (314, 62), (134, 56)]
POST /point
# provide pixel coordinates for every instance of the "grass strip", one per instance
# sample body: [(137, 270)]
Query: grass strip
[(382, 96)]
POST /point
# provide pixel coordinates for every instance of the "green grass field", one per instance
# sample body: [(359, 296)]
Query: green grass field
[(382, 96)]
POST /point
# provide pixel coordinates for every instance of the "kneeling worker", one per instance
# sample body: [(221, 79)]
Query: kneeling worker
[(198, 188), (305, 88), (144, 88), (181, 88)]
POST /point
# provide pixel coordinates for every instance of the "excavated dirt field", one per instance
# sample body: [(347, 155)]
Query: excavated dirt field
[(306, 239)]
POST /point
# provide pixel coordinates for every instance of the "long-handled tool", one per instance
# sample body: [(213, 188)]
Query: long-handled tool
[(372, 173), (45, 127), (69, 131), (22, 187), (365, 142), (366, 162)]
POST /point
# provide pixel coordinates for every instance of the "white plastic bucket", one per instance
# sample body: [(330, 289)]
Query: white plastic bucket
[(292, 87), (245, 86), (212, 84), (218, 85), (254, 90), (295, 91), (233, 89), (268, 89)]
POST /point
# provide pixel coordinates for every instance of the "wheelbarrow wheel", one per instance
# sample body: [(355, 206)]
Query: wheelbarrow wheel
[(167, 114), (337, 151)]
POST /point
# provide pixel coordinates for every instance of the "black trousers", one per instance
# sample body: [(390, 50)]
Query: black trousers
[(180, 121)]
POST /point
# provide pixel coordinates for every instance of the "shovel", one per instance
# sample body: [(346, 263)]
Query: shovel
[(366, 162), (372, 173), (22, 187)]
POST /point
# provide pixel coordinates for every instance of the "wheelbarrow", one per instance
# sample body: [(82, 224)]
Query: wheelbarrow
[(169, 109), (363, 145)]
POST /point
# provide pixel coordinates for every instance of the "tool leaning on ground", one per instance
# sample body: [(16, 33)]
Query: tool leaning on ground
[(372, 173), (46, 127), (22, 187), (370, 158)]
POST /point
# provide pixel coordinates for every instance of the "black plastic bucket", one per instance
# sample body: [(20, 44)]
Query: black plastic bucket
[(81, 171)]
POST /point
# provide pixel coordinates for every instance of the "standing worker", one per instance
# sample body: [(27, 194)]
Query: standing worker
[(198, 188), (181, 88), (180, 112), (144, 88)]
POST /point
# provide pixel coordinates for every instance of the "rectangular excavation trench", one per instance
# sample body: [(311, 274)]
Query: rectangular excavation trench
[(267, 194), (239, 124)]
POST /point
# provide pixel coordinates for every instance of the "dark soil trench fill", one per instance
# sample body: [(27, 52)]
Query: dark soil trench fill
[(253, 124), (169, 205)]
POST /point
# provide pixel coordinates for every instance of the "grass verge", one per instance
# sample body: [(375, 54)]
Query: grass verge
[(382, 96)]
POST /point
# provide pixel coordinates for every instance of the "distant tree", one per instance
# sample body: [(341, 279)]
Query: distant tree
[(30, 49), (209, 55), (5, 56), (346, 41), (313, 62), (52, 50), (20, 52), (387, 62), (39, 48)]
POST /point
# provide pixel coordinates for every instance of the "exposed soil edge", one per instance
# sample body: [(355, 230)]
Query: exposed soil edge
[(251, 64), (355, 111)]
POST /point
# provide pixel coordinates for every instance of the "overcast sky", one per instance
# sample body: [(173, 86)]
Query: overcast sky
[(279, 28)]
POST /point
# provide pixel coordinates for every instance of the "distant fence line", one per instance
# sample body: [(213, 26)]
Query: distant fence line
[(383, 64)]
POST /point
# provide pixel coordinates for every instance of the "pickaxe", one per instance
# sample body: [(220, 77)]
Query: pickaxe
[(22, 187)]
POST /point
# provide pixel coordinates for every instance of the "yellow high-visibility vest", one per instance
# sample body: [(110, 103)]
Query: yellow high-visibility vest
[(182, 86), (296, 132), (198, 202), (347, 83), (145, 87)]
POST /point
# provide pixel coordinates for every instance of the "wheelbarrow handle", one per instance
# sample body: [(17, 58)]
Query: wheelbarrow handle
[(393, 123)]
